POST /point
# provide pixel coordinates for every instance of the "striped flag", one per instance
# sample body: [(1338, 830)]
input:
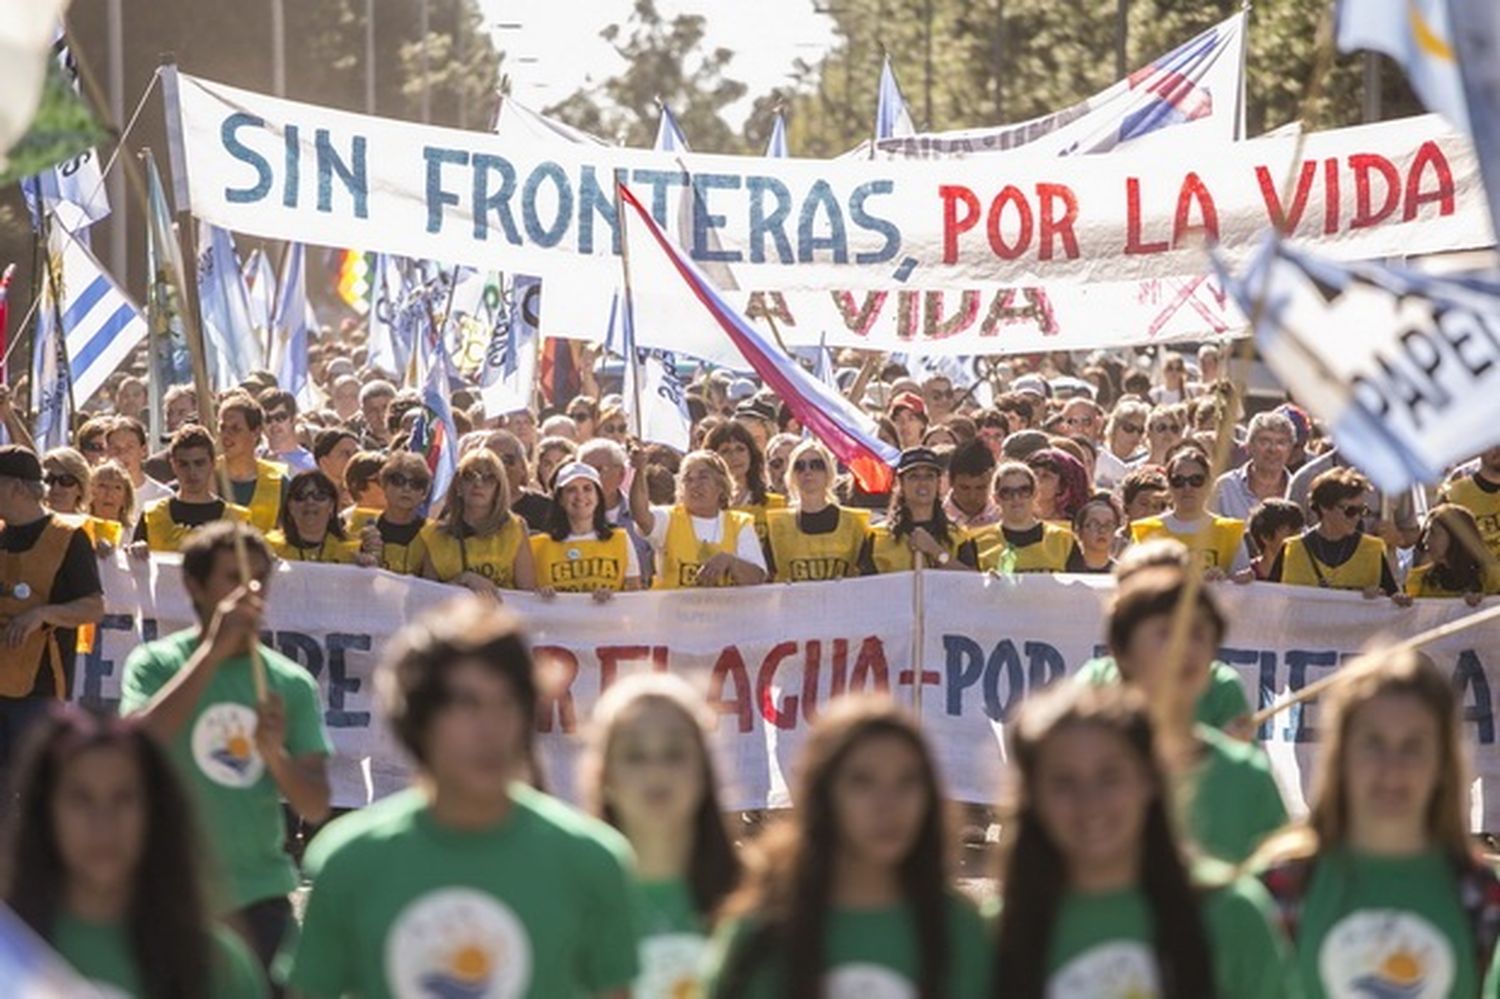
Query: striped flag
[(849, 433), (892, 119), (229, 335), (353, 285), (669, 138), (289, 327), (434, 436)]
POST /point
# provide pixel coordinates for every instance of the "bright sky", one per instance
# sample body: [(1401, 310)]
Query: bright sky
[(557, 49)]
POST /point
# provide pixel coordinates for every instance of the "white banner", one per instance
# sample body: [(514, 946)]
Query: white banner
[(768, 658)]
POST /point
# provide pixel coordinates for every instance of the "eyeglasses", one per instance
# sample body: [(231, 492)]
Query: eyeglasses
[(312, 496), (1015, 492), (280, 416), (92, 447), (61, 479), (1099, 525), (1166, 428), (1132, 428), (1355, 512), (1194, 481), (474, 476), (809, 465), (402, 481)]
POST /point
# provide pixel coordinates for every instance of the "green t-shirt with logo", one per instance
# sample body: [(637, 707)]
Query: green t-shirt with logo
[(1233, 802), (1385, 926), (101, 953), (541, 904), (1220, 706), (1102, 945), (239, 804), (869, 954), (673, 943)]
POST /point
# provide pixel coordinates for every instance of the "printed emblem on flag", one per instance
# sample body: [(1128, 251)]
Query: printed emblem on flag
[(670, 966), (866, 981), (223, 745), (1118, 970), (1385, 954), (458, 943)]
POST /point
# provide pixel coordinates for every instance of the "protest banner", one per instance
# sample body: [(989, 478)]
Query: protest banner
[(768, 658)]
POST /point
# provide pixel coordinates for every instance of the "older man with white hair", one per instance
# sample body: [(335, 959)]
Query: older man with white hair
[(610, 460), (1265, 476)]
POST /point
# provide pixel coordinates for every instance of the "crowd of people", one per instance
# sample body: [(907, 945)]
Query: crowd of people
[(1145, 848)]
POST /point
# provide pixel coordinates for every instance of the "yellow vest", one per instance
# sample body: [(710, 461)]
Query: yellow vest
[(1361, 571), (403, 559), (492, 556), (163, 534), (1048, 555), (683, 553), (800, 556), (358, 517), (893, 554), (758, 511), (265, 504), (330, 550), (1419, 583), (33, 573), (1484, 506), (1217, 542), (98, 529), (582, 565)]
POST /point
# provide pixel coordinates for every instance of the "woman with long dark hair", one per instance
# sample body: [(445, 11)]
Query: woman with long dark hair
[(1096, 898), (101, 861), (1381, 889), (310, 529), (741, 452), (852, 896), (917, 523), (580, 552), (650, 775), (1455, 562)]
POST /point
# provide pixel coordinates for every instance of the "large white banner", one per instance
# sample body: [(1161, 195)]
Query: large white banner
[(769, 658)]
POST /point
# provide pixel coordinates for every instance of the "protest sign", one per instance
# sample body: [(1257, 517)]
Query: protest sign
[(769, 658)]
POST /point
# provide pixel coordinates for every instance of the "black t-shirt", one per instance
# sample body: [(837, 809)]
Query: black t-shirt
[(534, 508), (825, 521), (1022, 539), (185, 513), (1076, 563), (1334, 554), (398, 534), (77, 577)]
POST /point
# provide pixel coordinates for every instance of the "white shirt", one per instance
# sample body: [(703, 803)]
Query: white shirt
[(148, 491), (710, 531)]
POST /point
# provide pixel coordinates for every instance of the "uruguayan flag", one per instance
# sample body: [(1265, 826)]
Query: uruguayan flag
[(892, 119), (228, 332), (652, 394), (260, 284), (669, 138), (289, 328), (1404, 368)]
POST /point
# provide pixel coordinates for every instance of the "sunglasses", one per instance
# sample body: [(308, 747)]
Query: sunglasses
[(312, 496), (1356, 512), (1132, 428), (1015, 492), (65, 481), (401, 481), (1194, 481), (472, 476), (1166, 428), (809, 465)]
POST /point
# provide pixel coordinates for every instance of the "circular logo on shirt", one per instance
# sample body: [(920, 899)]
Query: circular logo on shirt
[(866, 981), (21, 591), (457, 943), (223, 745), (1385, 954), (1119, 970), (670, 966), (574, 554)]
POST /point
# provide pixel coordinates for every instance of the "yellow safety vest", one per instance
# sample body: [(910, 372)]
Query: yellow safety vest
[(800, 556), (893, 554), (357, 517), (1217, 542), (404, 559), (265, 504), (27, 579), (683, 553), (1484, 506), (1419, 583), (1047, 555), (758, 511), (492, 556), (582, 565), (163, 534), (331, 549), (1360, 571)]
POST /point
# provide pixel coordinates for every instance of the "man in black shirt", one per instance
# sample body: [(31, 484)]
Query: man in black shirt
[(166, 523), (49, 585)]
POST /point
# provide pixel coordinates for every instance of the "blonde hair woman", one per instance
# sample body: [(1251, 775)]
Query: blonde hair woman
[(699, 541), (70, 480), (476, 541), (816, 538), (112, 494)]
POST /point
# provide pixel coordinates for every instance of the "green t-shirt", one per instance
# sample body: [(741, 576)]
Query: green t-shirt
[(870, 954), (1220, 706), (542, 904), (1103, 945), (1382, 926), (1234, 802), (239, 805), (673, 944), (100, 952)]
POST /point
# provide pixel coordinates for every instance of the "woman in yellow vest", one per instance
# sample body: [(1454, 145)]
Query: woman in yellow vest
[(580, 552), (816, 538), (1450, 567), (917, 523), (476, 541), (1218, 541), (1335, 553), (699, 541), (69, 481), (1022, 541), (747, 467), (112, 494), (404, 482), (310, 528)]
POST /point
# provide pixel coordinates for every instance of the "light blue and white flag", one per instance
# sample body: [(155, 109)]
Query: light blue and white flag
[(776, 147), (49, 369), (1418, 34), (1477, 31), (892, 119), (72, 191), (289, 328), (260, 289), (669, 138), (228, 333), (508, 373), (388, 351), (653, 396), (1404, 368), (434, 435)]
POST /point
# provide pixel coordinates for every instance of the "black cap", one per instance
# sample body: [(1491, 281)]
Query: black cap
[(918, 457), (759, 409), (17, 462)]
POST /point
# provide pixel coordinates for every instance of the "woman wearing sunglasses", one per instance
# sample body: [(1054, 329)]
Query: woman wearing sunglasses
[(476, 541), (1022, 542), (1165, 429), (405, 482), (1335, 553), (816, 538), (69, 482), (1218, 541), (310, 530)]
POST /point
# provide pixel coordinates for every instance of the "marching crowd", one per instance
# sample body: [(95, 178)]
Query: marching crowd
[(1145, 849)]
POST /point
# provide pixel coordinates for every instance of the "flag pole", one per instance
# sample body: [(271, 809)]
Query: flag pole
[(627, 317), (918, 631), (59, 332)]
